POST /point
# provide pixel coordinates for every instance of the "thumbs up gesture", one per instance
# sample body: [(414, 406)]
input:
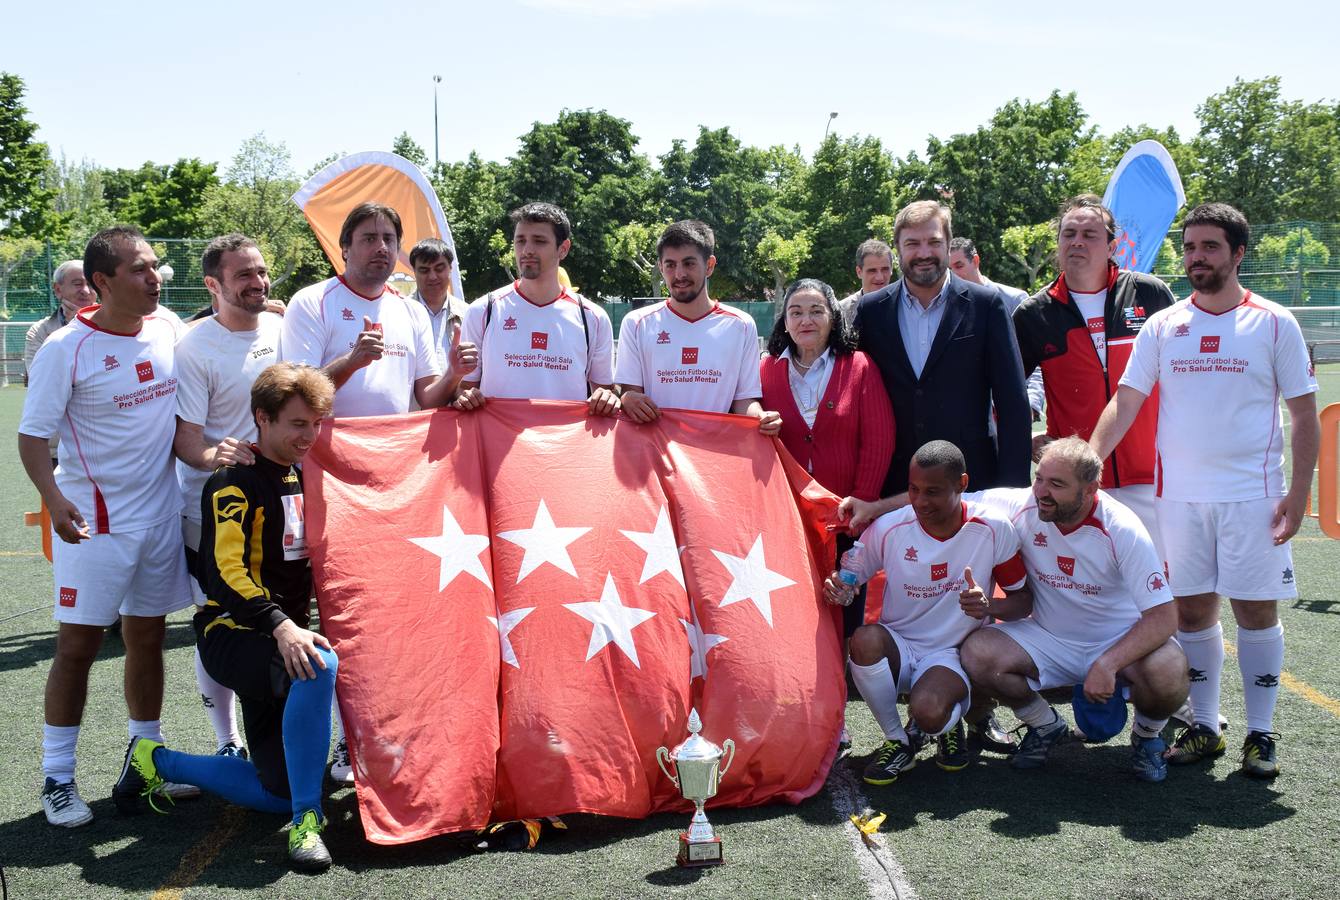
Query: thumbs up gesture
[(971, 600), (369, 345), (464, 356)]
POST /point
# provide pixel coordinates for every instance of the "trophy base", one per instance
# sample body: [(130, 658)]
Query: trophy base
[(693, 854)]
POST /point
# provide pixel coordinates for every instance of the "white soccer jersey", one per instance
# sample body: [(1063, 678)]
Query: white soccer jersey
[(533, 352), (707, 364), (1090, 584), (1220, 379), (215, 371), (112, 399), (323, 323), (925, 574)]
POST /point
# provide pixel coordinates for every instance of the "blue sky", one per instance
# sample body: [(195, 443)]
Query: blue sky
[(188, 79)]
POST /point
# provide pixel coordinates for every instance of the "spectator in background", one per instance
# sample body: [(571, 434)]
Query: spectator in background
[(836, 417), (874, 267), (73, 293)]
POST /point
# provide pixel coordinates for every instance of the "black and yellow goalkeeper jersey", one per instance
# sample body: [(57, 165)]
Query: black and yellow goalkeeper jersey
[(253, 558)]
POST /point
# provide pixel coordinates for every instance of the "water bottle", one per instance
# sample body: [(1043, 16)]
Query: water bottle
[(851, 561)]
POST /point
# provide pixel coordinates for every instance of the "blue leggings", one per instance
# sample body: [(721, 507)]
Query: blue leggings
[(306, 745)]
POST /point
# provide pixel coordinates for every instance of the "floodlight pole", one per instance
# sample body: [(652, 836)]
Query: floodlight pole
[(437, 159), (831, 117)]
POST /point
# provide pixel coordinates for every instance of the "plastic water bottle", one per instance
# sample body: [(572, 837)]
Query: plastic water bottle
[(851, 561)]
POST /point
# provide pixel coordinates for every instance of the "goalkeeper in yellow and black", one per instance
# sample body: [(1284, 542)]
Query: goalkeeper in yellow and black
[(252, 633)]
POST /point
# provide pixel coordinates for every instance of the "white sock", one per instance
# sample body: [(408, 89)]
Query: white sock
[(219, 705), (881, 695), (58, 751), (1205, 660), (1260, 659), (1036, 712), (1145, 727), (149, 728), (950, 722)]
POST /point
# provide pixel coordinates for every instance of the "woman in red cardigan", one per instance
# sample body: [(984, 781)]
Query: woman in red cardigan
[(836, 418)]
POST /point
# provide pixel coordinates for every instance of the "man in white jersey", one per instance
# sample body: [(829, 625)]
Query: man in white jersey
[(690, 352), (1101, 612), (928, 549), (374, 344), (1221, 360), (217, 361), (537, 339), (106, 383)]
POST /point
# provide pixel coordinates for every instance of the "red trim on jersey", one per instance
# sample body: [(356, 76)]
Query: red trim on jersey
[(100, 512), (1245, 297), (349, 287), (962, 520), (78, 446), (1090, 519), (716, 308), (1158, 475), (1011, 574), (516, 286), (96, 327)]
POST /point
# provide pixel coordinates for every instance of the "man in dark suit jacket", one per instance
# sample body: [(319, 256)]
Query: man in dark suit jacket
[(945, 348)]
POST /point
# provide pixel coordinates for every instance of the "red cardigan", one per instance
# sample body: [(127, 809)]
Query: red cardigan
[(849, 448)]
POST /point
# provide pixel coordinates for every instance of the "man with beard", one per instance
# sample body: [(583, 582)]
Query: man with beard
[(690, 352), (946, 348), (1101, 612), (1078, 332), (217, 361), (537, 340), (1221, 360), (376, 346)]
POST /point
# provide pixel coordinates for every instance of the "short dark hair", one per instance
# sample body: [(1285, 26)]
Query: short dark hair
[(430, 250), (1229, 218), (840, 339), (361, 213), (1088, 201), (872, 247), (688, 233), (103, 251), (543, 213), (213, 255), (281, 382), (944, 454), (964, 246)]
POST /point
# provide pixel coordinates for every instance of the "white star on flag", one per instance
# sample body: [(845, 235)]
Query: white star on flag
[(659, 545), (611, 621), (751, 579), (544, 542), (505, 624), (699, 643), (458, 551)]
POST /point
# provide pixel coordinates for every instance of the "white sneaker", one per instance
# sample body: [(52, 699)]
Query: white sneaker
[(341, 772), (63, 805)]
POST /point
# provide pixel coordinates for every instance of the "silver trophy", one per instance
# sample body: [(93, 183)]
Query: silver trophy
[(698, 769)]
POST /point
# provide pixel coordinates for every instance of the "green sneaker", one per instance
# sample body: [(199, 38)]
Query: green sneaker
[(1258, 755), (306, 851), (891, 760), (139, 778), (1194, 744)]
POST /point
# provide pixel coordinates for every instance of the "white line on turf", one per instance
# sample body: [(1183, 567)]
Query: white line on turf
[(884, 878)]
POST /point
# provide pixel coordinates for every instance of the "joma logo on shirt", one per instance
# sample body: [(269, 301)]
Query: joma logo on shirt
[(347, 314), (663, 337), (68, 596), (509, 324), (539, 340), (1066, 564), (1209, 343), (109, 362), (939, 571), (1182, 330), (688, 356), (144, 371)]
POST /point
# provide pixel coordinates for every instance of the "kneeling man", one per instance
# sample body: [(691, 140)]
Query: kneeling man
[(928, 549), (1101, 612), (252, 631)]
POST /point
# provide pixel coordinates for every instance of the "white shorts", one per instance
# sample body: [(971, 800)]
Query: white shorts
[(912, 664), (1227, 548), (1139, 499), (190, 537), (135, 573), (1060, 662)]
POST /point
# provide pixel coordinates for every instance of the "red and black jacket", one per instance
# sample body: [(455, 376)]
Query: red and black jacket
[(1052, 334)]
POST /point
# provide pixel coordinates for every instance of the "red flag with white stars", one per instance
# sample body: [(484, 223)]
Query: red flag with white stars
[(527, 602)]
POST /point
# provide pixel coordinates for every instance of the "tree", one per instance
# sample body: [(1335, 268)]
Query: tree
[(847, 187), (14, 252), (472, 197), (254, 199), (405, 146), (25, 196), (165, 201), (634, 244), (1031, 248), (79, 204), (1286, 259), (783, 257), (1094, 161)]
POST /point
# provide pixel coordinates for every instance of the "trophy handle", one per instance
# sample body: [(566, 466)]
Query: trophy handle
[(662, 756), (729, 745)]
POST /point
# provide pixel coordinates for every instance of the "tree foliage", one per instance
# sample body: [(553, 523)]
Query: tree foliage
[(26, 198)]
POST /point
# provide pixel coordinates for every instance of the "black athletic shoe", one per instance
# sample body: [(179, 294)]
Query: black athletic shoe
[(1258, 755), (951, 752), (306, 851), (891, 760)]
